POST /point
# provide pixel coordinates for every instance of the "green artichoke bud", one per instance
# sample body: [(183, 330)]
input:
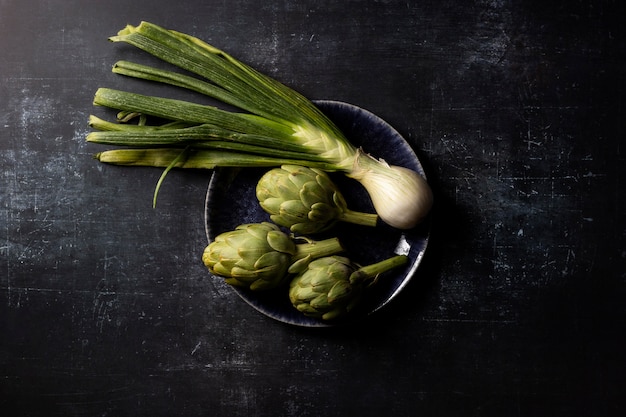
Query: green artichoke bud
[(260, 256), (305, 200), (332, 286)]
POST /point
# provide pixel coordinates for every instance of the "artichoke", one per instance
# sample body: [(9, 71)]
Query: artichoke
[(330, 287), (305, 200), (259, 256)]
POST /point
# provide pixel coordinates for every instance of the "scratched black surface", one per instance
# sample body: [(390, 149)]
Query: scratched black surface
[(516, 109)]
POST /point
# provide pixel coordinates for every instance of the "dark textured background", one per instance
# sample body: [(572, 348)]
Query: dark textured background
[(516, 109)]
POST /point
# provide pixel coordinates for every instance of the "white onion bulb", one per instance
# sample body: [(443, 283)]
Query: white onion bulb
[(401, 197)]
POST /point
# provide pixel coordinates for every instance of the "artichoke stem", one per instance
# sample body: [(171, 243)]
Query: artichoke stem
[(356, 217), (318, 249), (371, 272)]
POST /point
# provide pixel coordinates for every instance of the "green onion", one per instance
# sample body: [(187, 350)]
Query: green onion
[(271, 125)]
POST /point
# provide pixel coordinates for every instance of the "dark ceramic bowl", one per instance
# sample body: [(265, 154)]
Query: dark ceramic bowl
[(231, 201)]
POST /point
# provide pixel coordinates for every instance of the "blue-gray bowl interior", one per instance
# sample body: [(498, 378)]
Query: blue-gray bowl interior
[(231, 201)]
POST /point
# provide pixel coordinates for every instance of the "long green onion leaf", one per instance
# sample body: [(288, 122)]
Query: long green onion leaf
[(164, 174), (199, 159)]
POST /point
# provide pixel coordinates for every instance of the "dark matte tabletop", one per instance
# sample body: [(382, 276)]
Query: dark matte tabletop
[(516, 110)]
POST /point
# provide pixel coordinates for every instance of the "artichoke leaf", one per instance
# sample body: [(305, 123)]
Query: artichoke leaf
[(280, 242), (306, 228), (244, 274), (306, 309), (320, 302), (311, 193), (340, 201), (323, 212), (333, 314), (286, 190), (300, 265), (271, 204), (297, 175), (340, 291), (294, 208), (259, 230), (272, 261), (221, 270)]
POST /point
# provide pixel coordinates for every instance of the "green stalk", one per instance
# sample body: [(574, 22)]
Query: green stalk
[(215, 145), (317, 249), (198, 159), (356, 217), (307, 252), (314, 143), (371, 272), (145, 72), (193, 55), (177, 50), (106, 126), (201, 136), (274, 110), (180, 110), (197, 137), (261, 94), (163, 175)]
